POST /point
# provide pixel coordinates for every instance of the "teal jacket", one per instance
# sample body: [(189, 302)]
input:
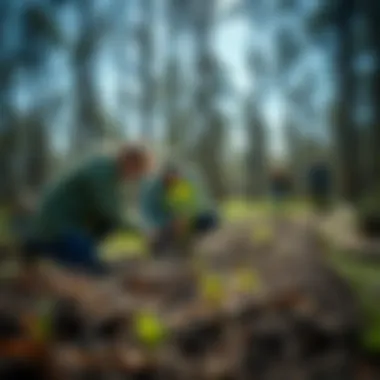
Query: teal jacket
[(154, 209), (90, 193)]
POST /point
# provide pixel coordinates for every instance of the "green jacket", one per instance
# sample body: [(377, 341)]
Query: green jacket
[(80, 200)]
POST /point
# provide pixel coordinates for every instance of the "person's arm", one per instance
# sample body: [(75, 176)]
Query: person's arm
[(106, 198), (153, 211)]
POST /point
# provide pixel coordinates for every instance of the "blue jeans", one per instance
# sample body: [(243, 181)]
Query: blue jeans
[(74, 250)]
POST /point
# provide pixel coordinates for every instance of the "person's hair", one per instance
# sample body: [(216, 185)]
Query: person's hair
[(134, 154)]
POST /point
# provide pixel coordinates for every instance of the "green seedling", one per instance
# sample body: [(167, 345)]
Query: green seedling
[(149, 329), (247, 280)]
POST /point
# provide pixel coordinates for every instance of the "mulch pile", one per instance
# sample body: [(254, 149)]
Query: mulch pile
[(289, 318)]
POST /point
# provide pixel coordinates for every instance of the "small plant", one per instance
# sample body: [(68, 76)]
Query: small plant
[(211, 288), (149, 329)]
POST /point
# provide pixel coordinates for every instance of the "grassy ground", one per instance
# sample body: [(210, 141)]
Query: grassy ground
[(235, 210), (362, 274), (364, 278), (125, 244)]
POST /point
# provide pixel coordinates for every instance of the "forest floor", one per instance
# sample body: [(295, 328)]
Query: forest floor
[(323, 266), (314, 286)]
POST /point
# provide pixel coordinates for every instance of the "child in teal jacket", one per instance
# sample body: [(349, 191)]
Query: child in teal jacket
[(175, 204)]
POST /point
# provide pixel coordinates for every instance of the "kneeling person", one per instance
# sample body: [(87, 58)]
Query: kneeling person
[(176, 208), (82, 208)]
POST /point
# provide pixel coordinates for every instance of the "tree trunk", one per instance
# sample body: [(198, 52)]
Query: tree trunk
[(8, 155), (372, 8), (89, 118), (37, 165), (173, 132), (210, 155), (210, 127), (174, 128), (296, 164), (346, 134), (147, 74), (256, 158)]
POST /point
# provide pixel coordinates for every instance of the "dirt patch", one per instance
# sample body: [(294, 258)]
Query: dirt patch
[(294, 319)]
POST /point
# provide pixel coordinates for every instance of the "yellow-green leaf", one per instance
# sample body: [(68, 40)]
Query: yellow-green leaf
[(247, 280), (211, 287), (149, 329)]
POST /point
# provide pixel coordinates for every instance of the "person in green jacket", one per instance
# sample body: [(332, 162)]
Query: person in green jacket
[(175, 206), (84, 206)]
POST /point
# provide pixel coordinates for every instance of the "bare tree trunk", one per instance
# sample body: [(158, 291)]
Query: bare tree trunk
[(88, 120), (8, 157), (210, 155), (173, 135), (147, 74), (256, 157), (38, 162), (90, 126), (174, 128), (372, 14), (210, 124), (296, 165), (346, 134), (203, 13)]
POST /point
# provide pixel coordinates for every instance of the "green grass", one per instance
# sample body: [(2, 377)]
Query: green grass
[(235, 210), (239, 209), (124, 245), (364, 278)]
